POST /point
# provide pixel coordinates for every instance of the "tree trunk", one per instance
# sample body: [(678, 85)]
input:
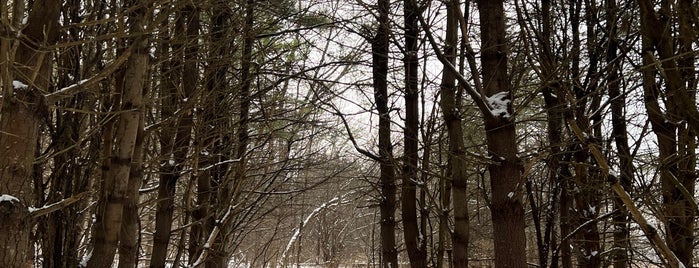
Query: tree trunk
[(620, 257), (213, 129), (229, 190), (505, 172), (116, 173), (457, 167), (411, 232), (586, 179), (554, 117), (387, 203), (70, 175), (130, 233), (674, 128), (175, 141), (21, 114)]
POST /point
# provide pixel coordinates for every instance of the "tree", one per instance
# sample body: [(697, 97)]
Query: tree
[(175, 140), (414, 239), (25, 72), (552, 89), (457, 174), (387, 203), (120, 147), (619, 131), (69, 147), (232, 132), (675, 126), (506, 170)]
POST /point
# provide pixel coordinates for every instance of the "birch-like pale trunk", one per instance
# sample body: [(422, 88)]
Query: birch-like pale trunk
[(117, 167)]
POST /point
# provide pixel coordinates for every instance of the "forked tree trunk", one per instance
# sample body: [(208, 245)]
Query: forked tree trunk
[(457, 167), (175, 141), (674, 125), (117, 169), (414, 241), (506, 182)]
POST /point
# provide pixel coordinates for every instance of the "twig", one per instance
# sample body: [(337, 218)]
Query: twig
[(351, 137)]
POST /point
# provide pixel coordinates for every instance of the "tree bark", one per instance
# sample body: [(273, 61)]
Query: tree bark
[(414, 240), (22, 111), (387, 203), (116, 173), (507, 210), (675, 127), (457, 166), (175, 142), (620, 257), (130, 233)]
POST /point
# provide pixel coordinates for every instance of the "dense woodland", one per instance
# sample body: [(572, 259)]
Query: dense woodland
[(348, 133)]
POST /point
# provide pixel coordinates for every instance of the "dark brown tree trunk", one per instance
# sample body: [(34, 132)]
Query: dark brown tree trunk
[(230, 189), (70, 174), (662, 43), (212, 130), (444, 230), (507, 210), (22, 111), (16, 173), (175, 142), (565, 220), (586, 179), (457, 167), (387, 203), (620, 257), (411, 232), (170, 55), (551, 91), (675, 127)]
